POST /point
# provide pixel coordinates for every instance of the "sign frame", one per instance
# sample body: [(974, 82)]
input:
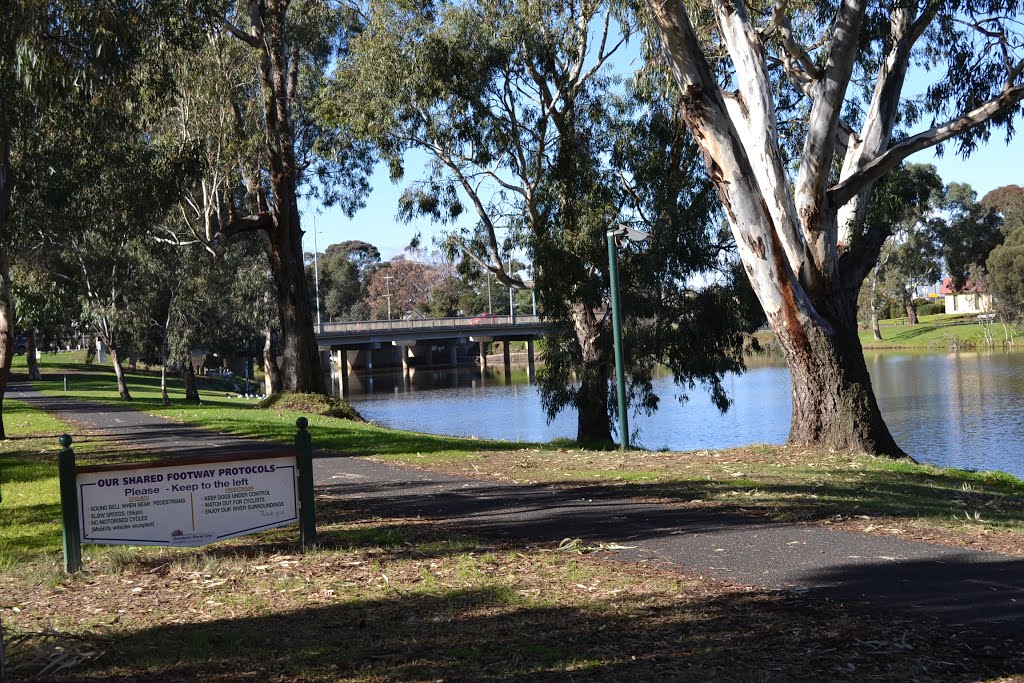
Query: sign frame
[(72, 503), (183, 462)]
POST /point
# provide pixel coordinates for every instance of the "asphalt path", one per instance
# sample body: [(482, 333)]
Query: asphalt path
[(960, 587)]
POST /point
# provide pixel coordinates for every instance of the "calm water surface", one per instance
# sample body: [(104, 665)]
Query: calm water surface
[(957, 409)]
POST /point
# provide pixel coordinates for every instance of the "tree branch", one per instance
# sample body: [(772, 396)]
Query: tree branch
[(252, 41), (498, 271), (851, 186)]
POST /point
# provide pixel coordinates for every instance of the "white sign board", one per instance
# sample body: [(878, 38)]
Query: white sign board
[(189, 504)]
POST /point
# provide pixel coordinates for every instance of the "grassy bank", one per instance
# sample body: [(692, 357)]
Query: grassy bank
[(935, 332), (385, 599), (848, 490)]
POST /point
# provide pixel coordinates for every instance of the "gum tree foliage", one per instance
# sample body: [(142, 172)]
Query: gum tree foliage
[(526, 126), (799, 109), (249, 104), (68, 65), (901, 205), (118, 269), (345, 269), (966, 230), (911, 259), (1006, 262)]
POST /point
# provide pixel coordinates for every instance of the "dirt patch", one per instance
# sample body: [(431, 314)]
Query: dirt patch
[(401, 599)]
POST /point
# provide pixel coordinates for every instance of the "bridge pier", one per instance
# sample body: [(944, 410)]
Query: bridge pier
[(508, 361), (341, 363), (405, 358), (531, 371), (483, 355), (453, 354)]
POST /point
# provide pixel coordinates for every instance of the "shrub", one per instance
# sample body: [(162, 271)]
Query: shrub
[(931, 309), (312, 404)]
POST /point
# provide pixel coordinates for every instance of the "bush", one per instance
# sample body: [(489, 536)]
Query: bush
[(312, 404), (931, 309)]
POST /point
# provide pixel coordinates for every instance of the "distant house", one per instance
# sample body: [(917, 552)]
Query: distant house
[(967, 300)]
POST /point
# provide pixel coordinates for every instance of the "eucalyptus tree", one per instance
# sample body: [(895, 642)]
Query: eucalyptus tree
[(902, 205), (69, 65), (525, 122), (1005, 263), (45, 302), (799, 109), (288, 47), (966, 231)]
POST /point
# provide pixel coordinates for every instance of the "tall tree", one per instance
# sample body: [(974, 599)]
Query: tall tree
[(966, 230), (525, 124), (70, 64), (796, 108), (1005, 263), (292, 45)]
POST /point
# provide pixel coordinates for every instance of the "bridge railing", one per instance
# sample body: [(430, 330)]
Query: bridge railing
[(464, 323)]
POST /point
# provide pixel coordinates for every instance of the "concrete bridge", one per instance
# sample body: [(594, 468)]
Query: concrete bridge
[(425, 343)]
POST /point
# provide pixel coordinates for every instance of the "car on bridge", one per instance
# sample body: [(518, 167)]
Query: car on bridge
[(481, 319)]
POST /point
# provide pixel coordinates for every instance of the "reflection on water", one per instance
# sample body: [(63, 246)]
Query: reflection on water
[(957, 409)]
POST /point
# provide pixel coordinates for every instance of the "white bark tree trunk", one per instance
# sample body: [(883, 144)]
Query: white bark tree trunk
[(795, 244)]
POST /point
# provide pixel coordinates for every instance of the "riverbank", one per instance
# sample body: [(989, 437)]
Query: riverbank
[(407, 597), (849, 490)]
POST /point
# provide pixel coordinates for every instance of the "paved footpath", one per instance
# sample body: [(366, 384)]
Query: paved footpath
[(960, 587)]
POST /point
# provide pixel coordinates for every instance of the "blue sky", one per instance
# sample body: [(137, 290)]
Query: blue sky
[(992, 166)]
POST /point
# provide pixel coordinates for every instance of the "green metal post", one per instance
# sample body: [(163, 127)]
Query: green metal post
[(620, 373), (71, 534), (307, 511)]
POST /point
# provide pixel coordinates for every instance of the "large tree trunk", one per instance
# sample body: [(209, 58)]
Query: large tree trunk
[(300, 367), (6, 330), (876, 329), (833, 402), (115, 359), (271, 376), (786, 234), (188, 375), (30, 355), (279, 221), (911, 313), (593, 426)]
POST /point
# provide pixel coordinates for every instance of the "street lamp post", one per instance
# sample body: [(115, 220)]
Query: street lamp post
[(316, 276), (387, 284), (613, 277)]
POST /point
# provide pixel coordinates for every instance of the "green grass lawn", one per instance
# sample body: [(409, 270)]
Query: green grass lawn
[(784, 484), (934, 332), (221, 412), (384, 599), (28, 483)]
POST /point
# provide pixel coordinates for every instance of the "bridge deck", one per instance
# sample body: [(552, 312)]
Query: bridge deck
[(376, 331)]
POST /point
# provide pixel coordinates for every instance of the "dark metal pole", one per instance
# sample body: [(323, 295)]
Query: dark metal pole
[(620, 375), (307, 509), (71, 535)]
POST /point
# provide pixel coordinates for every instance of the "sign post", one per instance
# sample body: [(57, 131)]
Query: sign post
[(307, 512), (71, 534), (185, 502)]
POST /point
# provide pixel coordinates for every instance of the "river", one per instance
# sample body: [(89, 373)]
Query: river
[(961, 409)]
